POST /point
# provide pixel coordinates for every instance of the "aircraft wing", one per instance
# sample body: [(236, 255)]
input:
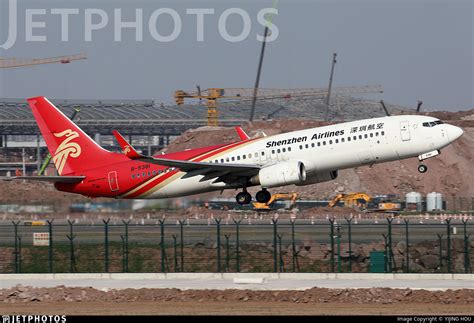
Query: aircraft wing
[(209, 170), (54, 179)]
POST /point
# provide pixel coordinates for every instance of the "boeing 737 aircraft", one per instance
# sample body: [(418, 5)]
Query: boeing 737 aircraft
[(302, 157)]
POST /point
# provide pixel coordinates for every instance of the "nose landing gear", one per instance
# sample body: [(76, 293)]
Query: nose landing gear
[(422, 168)]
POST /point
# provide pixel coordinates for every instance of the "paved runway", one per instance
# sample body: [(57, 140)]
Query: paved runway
[(257, 282)]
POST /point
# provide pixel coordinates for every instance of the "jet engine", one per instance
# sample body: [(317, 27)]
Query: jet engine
[(319, 178), (284, 173)]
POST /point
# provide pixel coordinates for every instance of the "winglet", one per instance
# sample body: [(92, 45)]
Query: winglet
[(243, 136), (127, 149)]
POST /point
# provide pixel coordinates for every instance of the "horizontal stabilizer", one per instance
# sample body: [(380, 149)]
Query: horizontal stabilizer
[(54, 179)]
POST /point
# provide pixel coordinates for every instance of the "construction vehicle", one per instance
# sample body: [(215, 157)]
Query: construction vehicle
[(26, 62), (355, 200), (212, 95), (364, 202), (276, 197)]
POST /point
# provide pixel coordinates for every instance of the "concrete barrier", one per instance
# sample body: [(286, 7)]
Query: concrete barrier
[(249, 280), (232, 276)]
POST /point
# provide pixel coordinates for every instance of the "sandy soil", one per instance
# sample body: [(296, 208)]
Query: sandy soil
[(62, 300)]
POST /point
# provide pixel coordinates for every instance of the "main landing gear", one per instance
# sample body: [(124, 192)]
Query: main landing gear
[(244, 198), (263, 196)]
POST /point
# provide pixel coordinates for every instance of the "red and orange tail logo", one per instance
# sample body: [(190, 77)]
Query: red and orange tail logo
[(65, 149)]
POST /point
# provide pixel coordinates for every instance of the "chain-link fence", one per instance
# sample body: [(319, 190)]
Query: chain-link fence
[(237, 245)]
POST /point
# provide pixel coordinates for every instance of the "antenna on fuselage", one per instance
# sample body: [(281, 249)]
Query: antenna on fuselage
[(384, 108), (419, 106)]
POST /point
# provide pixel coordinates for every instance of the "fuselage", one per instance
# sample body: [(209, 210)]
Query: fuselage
[(322, 149)]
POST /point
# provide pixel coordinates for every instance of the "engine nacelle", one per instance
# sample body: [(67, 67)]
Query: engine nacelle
[(319, 178), (283, 173)]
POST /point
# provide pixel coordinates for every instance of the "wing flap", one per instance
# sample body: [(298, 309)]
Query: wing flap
[(209, 170)]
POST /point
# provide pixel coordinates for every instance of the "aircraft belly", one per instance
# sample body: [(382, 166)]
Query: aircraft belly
[(187, 186)]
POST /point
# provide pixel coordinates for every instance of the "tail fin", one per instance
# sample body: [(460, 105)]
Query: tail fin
[(72, 149)]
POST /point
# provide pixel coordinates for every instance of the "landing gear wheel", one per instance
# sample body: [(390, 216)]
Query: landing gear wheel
[(422, 168), (243, 198), (263, 196)]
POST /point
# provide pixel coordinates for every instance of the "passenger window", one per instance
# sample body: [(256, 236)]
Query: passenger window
[(133, 176), (306, 146), (262, 153), (330, 142), (319, 144), (154, 172), (289, 148), (250, 156), (348, 138), (342, 139), (278, 150), (354, 137), (324, 143), (301, 146), (222, 160), (365, 136), (273, 152), (138, 175), (227, 159), (244, 156), (148, 173), (383, 133), (256, 154), (284, 149), (377, 134), (143, 174), (238, 157), (371, 135), (337, 141), (360, 136), (233, 158)]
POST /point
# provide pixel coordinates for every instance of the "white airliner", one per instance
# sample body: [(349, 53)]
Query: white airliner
[(302, 157)]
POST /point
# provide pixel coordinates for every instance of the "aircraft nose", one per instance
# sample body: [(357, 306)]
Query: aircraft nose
[(454, 132)]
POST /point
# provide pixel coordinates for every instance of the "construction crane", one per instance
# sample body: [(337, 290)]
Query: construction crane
[(25, 62), (275, 197), (212, 95)]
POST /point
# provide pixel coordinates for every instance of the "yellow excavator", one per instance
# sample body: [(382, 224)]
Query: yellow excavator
[(276, 197), (362, 201), (355, 200)]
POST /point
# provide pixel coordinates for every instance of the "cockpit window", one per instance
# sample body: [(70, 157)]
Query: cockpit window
[(432, 123)]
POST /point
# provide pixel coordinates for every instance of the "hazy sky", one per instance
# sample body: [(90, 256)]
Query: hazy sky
[(417, 49)]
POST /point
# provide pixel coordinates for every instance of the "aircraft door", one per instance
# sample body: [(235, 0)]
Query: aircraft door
[(405, 130), (113, 182), (263, 156)]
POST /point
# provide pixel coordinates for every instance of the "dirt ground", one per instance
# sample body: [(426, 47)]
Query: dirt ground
[(314, 301), (232, 308)]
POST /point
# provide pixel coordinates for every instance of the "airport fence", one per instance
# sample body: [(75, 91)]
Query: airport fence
[(239, 245)]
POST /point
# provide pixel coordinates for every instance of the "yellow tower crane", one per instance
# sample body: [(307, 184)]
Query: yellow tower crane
[(27, 62), (212, 95)]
